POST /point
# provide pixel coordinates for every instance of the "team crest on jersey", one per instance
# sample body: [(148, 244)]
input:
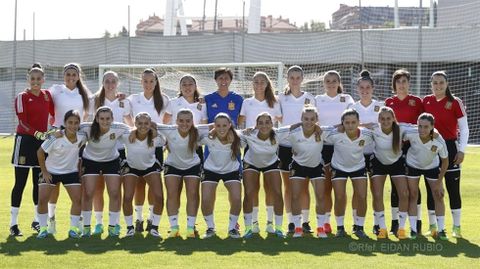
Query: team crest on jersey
[(448, 105), (376, 108), (361, 143), (307, 101), (342, 99), (121, 104), (112, 136), (214, 105), (22, 160), (231, 105), (433, 148), (412, 102), (199, 106)]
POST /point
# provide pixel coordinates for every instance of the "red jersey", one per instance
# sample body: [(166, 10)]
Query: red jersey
[(446, 115), (32, 111), (406, 110)]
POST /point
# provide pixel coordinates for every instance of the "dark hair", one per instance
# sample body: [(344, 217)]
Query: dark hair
[(99, 96), (428, 117), (365, 76), (349, 112), (150, 132), (82, 89), (273, 141), (36, 67), (397, 75), (293, 68), (193, 132), (269, 91), (196, 93), (334, 73), (235, 147), (95, 129), (72, 113), (448, 93), (395, 128), (157, 93), (223, 70)]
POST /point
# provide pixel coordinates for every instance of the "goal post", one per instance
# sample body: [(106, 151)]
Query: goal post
[(170, 74)]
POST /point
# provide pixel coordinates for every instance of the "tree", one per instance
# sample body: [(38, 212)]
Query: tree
[(314, 26), (107, 34)]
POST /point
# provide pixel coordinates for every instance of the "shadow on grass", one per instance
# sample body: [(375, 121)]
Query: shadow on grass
[(271, 246)]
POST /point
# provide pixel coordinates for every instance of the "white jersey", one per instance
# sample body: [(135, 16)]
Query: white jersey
[(368, 114), (347, 153), (251, 107), (103, 150), (139, 155), (199, 110), (383, 145), (292, 108), (120, 109), (64, 100), (424, 155), (62, 154), (141, 104), (307, 151), (261, 153), (219, 159), (179, 155), (330, 109)]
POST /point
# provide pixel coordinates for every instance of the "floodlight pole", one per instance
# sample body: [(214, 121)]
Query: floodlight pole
[(418, 89), (14, 63), (361, 34)]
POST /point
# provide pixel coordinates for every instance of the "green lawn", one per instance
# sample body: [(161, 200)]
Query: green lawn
[(261, 252)]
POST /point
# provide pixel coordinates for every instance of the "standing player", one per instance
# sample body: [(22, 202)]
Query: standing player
[(292, 102), (450, 119), (263, 101), (261, 157), (368, 109), (155, 103), (388, 160), (223, 100), (330, 107), (308, 164), (73, 94), (423, 159), (33, 107), (101, 159), (141, 162), (182, 164), (61, 166), (348, 161), (407, 108), (222, 164), (107, 96)]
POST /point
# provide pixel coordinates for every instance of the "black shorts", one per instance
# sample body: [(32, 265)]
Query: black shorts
[(25, 151), (285, 156), (270, 168), (122, 156), (452, 151), (128, 171), (194, 171), (396, 169), (71, 179), (212, 177), (110, 168), (327, 154), (342, 175), (298, 171), (368, 162), (430, 174)]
